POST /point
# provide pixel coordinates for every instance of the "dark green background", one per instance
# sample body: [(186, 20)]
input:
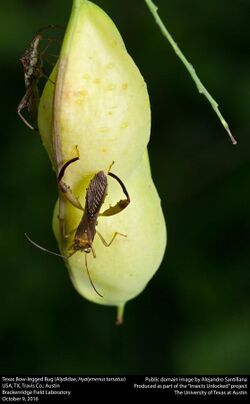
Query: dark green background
[(194, 315)]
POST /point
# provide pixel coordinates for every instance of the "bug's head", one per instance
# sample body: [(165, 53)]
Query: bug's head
[(82, 245), (86, 249)]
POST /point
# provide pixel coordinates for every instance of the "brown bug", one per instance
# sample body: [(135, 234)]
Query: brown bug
[(32, 62), (95, 197), (86, 230)]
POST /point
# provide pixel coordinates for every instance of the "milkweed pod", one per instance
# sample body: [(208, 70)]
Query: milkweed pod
[(100, 104)]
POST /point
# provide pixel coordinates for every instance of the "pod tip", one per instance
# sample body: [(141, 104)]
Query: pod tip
[(120, 314)]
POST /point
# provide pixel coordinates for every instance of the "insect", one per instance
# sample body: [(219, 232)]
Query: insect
[(85, 233), (32, 62), (95, 197)]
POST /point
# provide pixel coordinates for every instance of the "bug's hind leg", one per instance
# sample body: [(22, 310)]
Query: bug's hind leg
[(24, 104), (122, 204), (64, 188), (42, 55)]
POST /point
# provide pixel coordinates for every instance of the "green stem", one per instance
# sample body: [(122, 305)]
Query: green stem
[(202, 90), (120, 313)]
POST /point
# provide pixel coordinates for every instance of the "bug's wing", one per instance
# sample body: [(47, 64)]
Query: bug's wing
[(96, 193)]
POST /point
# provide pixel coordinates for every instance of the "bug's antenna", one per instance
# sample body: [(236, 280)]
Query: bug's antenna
[(42, 248), (93, 286)]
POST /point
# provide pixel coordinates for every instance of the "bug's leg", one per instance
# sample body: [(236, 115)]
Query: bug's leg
[(65, 234), (64, 188), (68, 194), (111, 165), (46, 76), (51, 40), (107, 244), (44, 51), (68, 235), (42, 55), (23, 104), (47, 60), (34, 103), (52, 55), (93, 252), (50, 26), (122, 204)]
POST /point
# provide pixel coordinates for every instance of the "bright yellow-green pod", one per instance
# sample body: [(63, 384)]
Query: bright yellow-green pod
[(100, 104)]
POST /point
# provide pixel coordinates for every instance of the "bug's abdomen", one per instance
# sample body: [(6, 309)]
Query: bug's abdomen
[(96, 193)]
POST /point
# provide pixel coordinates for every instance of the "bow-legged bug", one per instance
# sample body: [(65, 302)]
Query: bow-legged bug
[(32, 62), (85, 232)]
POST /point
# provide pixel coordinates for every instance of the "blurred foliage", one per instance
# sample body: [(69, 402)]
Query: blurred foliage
[(194, 315)]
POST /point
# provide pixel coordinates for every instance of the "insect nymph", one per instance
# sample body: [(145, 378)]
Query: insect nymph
[(32, 62)]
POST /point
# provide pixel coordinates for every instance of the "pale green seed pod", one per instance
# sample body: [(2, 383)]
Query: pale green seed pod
[(100, 104)]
